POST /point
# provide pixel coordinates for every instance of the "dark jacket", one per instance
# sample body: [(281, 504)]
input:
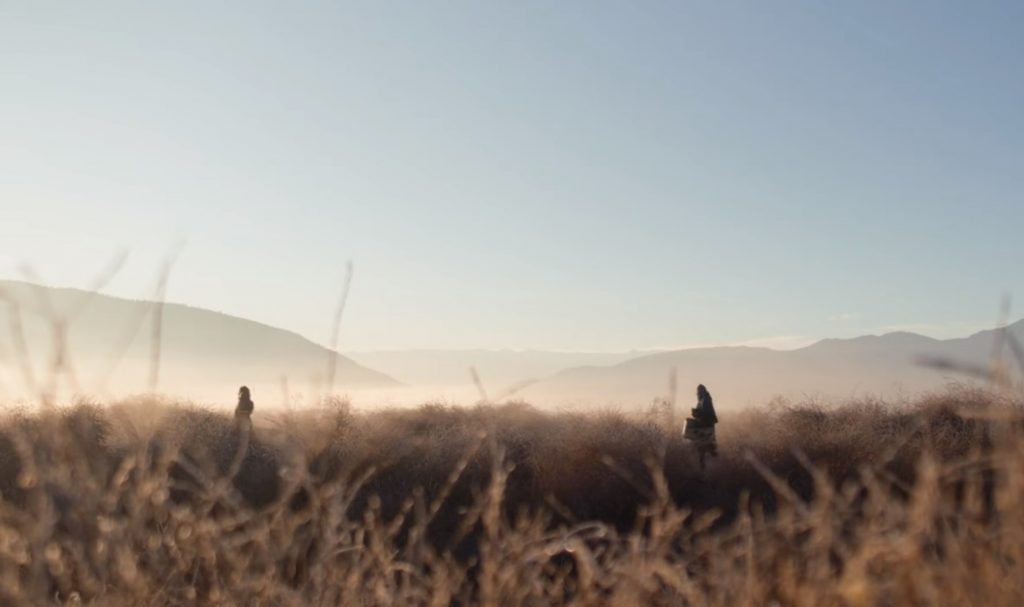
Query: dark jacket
[(704, 412)]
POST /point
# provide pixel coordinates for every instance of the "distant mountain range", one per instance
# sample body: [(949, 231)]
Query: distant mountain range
[(203, 354), (889, 365), (206, 355)]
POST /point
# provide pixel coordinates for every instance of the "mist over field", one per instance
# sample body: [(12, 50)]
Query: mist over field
[(106, 347)]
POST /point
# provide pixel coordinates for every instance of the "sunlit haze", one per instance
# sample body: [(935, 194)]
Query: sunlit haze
[(598, 176)]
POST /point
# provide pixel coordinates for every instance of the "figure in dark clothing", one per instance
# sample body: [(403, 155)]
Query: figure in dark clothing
[(245, 405), (700, 427)]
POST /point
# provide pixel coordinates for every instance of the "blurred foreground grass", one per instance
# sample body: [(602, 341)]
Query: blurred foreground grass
[(865, 503)]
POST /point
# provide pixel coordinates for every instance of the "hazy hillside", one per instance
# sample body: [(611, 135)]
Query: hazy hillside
[(204, 354), (886, 365)]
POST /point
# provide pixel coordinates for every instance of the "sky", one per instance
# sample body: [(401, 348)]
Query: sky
[(591, 176)]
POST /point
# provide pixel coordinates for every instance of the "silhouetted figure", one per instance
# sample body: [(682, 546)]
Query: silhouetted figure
[(245, 405), (700, 427)]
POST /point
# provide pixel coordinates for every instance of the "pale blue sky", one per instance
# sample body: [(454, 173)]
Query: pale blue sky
[(591, 175)]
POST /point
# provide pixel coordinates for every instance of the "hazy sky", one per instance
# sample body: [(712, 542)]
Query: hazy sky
[(590, 175)]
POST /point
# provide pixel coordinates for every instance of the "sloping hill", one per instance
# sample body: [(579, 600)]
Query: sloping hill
[(886, 365), (203, 354)]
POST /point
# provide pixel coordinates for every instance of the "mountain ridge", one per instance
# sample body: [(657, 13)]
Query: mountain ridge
[(203, 352), (886, 364), (209, 351)]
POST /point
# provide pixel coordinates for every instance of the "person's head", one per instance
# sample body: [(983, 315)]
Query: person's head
[(701, 391), (243, 393)]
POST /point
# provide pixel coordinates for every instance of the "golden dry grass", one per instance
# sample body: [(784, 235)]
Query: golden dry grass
[(866, 503)]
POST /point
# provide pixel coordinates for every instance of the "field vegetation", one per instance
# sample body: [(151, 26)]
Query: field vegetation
[(145, 502)]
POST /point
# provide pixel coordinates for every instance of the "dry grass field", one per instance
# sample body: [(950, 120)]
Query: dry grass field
[(864, 503)]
